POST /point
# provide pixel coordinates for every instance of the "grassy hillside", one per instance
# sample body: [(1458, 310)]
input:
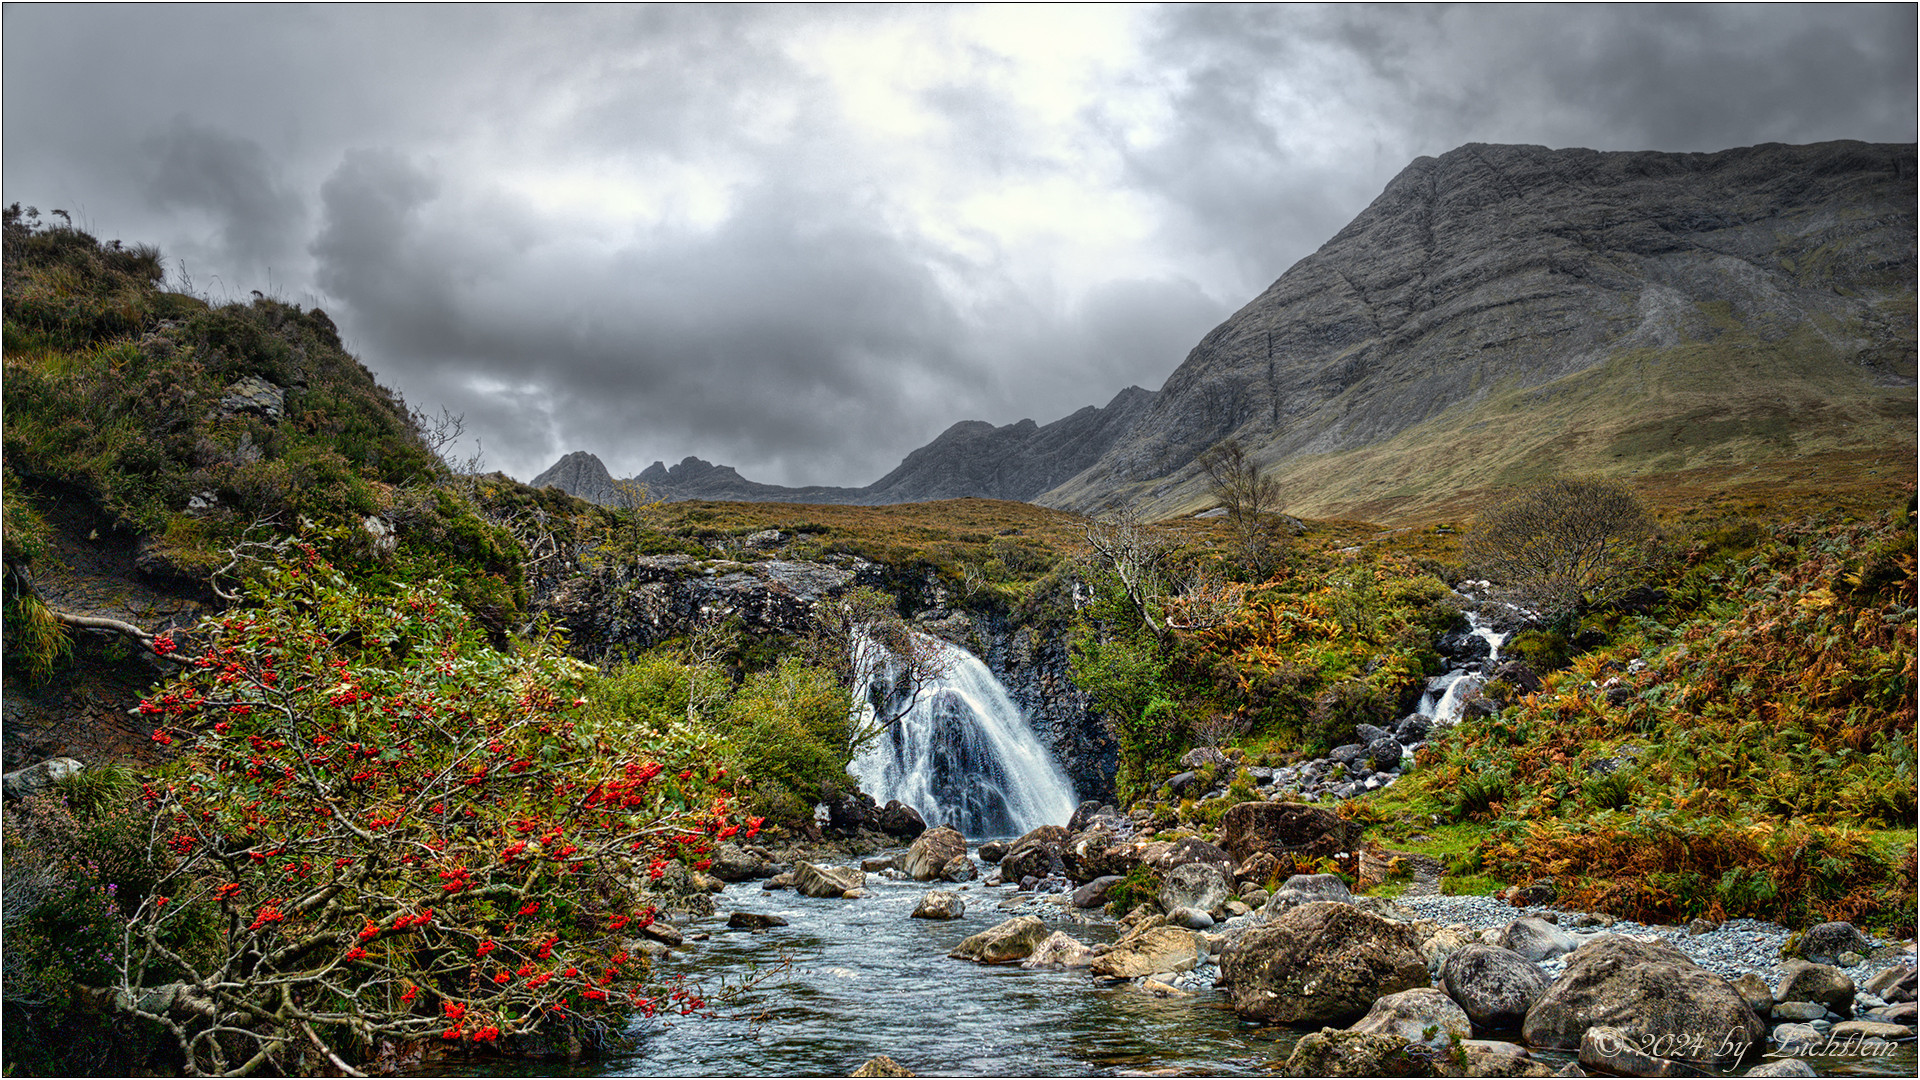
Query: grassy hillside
[(1738, 740), (1746, 749), (1735, 412), (194, 427)]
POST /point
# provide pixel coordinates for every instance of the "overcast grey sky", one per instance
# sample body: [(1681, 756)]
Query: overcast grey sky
[(803, 241)]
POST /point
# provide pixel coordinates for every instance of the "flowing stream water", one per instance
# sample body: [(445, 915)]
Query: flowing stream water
[(850, 979), (866, 979), (1445, 693)]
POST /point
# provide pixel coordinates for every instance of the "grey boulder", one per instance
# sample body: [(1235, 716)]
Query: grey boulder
[(1494, 986), (1650, 991)]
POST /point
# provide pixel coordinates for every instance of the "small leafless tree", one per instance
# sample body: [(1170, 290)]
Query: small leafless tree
[(1216, 729), (1202, 600), (441, 435), (1564, 545), (861, 638), (1251, 499), (1136, 554)]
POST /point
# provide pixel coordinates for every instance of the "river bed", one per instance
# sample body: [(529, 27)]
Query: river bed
[(851, 979)]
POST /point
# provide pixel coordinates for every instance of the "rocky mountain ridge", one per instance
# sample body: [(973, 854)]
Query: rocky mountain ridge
[(971, 459), (1498, 314), (1635, 311)]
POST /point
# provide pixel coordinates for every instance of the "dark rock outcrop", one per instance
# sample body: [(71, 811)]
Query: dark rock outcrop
[(643, 602), (1038, 854)]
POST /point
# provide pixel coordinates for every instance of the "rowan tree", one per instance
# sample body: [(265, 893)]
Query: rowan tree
[(399, 833)]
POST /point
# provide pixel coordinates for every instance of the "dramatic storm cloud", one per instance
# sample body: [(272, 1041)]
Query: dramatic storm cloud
[(803, 241)]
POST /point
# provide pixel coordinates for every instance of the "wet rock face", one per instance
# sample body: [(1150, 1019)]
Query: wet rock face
[(644, 601), (1034, 664)]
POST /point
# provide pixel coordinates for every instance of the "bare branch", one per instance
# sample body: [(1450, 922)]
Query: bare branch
[(1251, 499), (1564, 545), (1136, 554)]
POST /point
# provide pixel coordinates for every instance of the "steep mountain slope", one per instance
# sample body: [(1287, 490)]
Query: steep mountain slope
[(971, 459), (1503, 312)]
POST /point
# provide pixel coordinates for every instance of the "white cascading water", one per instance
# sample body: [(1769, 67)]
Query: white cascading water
[(1445, 693), (961, 754)]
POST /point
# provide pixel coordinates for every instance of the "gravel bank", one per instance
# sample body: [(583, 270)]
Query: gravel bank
[(1737, 947)]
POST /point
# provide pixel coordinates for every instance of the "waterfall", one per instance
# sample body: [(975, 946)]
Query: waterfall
[(962, 753), (1444, 693)]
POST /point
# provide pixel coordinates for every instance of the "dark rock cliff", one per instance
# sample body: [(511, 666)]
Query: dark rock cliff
[(642, 602)]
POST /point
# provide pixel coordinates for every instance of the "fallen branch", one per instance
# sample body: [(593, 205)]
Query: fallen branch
[(115, 626)]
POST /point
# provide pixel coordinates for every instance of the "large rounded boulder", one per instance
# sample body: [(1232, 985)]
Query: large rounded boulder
[(1821, 983), (1283, 830), (1059, 950), (940, 904), (1536, 939), (1495, 986), (1093, 814), (1422, 1014), (1359, 1053), (1307, 889), (1824, 944), (1651, 991), (1099, 852), (736, 862), (932, 851), (1037, 854), (1149, 950), (1163, 858), (1320, 963), (1201, 886), (826, 882), (897, 819)]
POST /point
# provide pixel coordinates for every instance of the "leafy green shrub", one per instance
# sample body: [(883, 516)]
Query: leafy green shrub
[(1564, 544), (1140, 886), (1611, 791), (1475, 796), (1541, 650), (1340, 708), (790, 731)]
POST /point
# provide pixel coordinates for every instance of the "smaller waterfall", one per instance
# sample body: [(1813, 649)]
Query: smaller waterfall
[(1444, 693), (961, 754)]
